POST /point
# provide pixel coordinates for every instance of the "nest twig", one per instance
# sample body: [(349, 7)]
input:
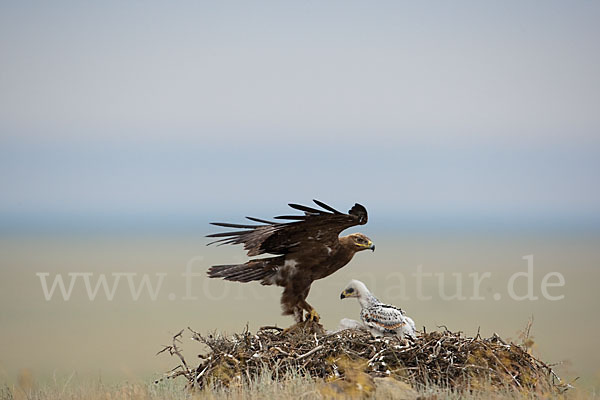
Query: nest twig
[(441, 358)]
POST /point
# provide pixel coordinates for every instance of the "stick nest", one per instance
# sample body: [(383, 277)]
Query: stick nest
[(441, 358)]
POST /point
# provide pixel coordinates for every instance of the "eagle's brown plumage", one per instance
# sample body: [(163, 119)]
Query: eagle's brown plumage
[(306, 249)]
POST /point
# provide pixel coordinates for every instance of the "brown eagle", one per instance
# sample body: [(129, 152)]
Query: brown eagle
[(307, 249)]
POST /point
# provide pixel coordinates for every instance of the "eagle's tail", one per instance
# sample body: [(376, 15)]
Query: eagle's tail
[(253, 270)]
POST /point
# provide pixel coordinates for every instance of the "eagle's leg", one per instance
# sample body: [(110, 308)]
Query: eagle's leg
[(290, 302), (293, 302), (298, 314), (312, 315)]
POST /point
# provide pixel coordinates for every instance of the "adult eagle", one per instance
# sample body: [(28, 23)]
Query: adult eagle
[(307, 249)]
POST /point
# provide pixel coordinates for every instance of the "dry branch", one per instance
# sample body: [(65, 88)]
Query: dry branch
[(441, 358)]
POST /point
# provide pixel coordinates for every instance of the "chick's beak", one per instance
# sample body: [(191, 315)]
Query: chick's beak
[(343, 295)]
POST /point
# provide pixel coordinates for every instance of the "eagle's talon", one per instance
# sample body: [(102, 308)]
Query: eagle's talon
[(314, 316)]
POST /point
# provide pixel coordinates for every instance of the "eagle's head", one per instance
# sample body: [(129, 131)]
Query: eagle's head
[(354, 289), (361, 242)]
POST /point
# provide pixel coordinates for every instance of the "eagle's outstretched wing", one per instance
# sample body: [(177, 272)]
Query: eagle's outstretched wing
[(322, 226)]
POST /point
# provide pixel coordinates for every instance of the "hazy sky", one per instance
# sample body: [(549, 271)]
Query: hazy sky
[(416, 109)]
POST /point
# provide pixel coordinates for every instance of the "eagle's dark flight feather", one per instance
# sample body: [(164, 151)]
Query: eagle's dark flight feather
[(276, 238)]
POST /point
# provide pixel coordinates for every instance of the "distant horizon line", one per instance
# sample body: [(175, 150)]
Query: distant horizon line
[(186, 223)]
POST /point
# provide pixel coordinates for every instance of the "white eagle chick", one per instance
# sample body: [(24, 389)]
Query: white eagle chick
[(347, 323), (380, 319)]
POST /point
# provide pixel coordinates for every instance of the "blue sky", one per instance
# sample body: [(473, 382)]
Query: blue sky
[(457, 110)]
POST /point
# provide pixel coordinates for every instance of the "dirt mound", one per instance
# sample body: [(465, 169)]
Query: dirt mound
[(440, 358)]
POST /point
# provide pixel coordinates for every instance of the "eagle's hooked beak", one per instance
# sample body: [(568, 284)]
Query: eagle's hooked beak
[(372, 246), (350, 292)]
